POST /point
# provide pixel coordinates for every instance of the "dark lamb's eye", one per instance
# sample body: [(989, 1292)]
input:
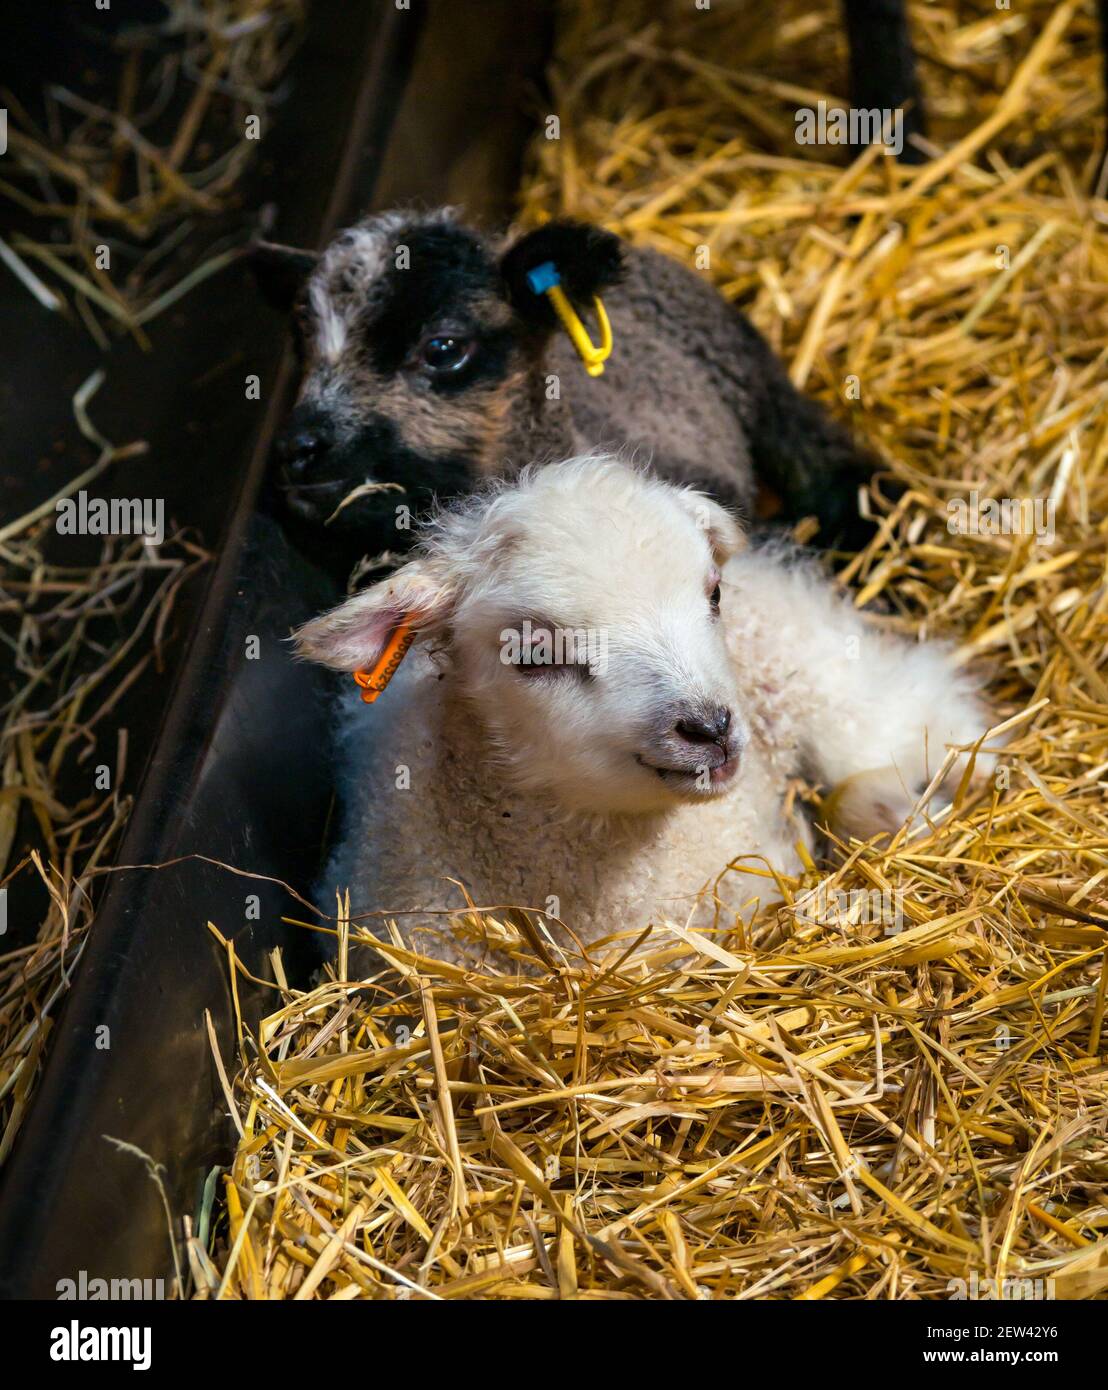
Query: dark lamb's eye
[(445, 353), (713, 599)]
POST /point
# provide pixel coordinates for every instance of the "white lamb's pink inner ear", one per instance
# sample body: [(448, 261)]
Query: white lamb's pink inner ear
[(352, 636), (384, 625)]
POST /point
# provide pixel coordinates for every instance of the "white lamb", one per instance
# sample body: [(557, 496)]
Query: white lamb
[(608, 703)]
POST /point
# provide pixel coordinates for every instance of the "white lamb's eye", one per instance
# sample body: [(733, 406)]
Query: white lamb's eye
[(544, 664), (546, 656), (712, 586)]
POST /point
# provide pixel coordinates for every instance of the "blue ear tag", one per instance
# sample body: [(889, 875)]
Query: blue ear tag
[(543, 277)]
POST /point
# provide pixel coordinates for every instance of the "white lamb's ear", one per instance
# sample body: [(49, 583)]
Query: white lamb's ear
[(352, 636), (725, 536)]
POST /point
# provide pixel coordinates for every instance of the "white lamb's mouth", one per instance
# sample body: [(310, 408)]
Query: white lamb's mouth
[(718, 775)]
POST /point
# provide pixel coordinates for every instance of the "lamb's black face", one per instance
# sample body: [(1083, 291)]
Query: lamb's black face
[(416, 338), (409, 348)]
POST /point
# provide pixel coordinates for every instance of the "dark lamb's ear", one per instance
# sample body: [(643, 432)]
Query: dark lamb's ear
[(280, 271), (587, 259)]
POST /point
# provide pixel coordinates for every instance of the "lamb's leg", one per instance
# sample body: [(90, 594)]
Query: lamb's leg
[(868, 713), (883, 66), (804, 454)]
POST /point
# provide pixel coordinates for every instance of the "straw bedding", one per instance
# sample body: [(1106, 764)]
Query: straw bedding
[(837, 1102)]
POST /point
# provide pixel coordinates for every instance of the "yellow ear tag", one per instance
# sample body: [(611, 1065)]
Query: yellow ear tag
[(374, 681), (544, 279)]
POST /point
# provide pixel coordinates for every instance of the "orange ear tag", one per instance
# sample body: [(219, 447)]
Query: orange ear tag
[(374, 681)]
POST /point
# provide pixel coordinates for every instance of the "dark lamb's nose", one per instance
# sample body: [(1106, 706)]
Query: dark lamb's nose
[(300, 448), (706, 728)]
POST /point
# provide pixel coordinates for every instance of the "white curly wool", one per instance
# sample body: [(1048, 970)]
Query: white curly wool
[(577, 794)]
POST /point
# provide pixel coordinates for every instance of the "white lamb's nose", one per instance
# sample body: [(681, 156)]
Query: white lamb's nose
[(705, 725)]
